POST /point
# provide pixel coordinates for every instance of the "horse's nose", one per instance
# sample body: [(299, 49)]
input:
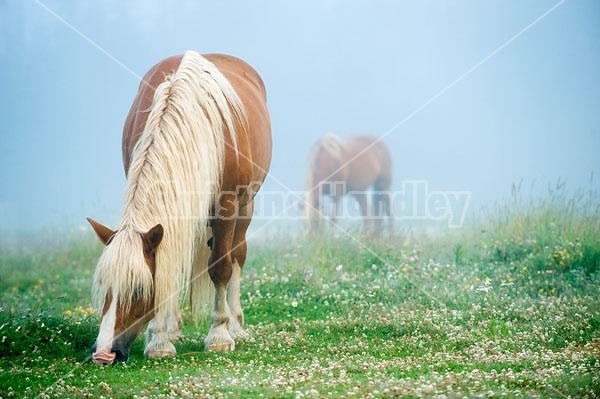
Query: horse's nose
[(103, 358)]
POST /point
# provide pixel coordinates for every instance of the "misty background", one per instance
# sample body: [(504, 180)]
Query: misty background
[(530, 112)]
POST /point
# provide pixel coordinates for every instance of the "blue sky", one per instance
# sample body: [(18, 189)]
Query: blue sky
[(530, 111)]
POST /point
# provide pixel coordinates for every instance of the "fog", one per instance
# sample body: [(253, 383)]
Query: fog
[(470, 96)]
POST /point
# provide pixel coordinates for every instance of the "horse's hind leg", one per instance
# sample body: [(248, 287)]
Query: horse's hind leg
[(388, 209), (382, 204), (379, 210)]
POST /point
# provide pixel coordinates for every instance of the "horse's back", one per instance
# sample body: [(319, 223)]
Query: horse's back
[(254, 137), (237, 69), (366, 167), (139, 111)]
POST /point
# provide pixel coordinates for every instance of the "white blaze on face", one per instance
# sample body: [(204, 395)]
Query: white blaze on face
[(107, 328)]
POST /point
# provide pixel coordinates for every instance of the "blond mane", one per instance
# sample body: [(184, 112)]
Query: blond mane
[(333, 145), (173, 180)]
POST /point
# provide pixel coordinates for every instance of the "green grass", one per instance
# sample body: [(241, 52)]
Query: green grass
[(506, 307)]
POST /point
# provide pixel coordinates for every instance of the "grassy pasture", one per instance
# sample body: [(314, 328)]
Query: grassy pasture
[(507, 307)]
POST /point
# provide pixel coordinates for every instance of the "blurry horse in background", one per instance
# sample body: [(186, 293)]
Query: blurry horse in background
[(196, 149), (338, 167)]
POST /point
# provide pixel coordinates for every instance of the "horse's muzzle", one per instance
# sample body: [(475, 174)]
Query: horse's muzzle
[(114, 357), (104, 358)]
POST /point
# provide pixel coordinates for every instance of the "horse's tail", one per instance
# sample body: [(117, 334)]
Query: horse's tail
[(184, 138)]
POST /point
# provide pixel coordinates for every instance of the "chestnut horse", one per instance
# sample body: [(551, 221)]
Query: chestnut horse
[(338, 167), (196, 148)]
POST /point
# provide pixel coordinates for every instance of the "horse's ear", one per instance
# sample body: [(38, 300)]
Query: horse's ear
[(103, 232), (153, 237)]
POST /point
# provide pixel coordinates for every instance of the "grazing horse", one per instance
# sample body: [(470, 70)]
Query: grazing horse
[(196, 148), (338, 167)]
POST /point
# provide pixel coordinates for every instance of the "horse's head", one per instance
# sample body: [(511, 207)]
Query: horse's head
[(123, 289)]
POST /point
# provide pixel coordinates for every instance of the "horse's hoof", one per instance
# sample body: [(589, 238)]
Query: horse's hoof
[(221, 347), (160, 353), (238, 333), (218, 339), (164, 349)]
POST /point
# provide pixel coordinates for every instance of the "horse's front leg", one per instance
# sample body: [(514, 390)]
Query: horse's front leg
[(236, 316), (220, 271), (364, 211), (158, 337), (238, 253), (174, 324)]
